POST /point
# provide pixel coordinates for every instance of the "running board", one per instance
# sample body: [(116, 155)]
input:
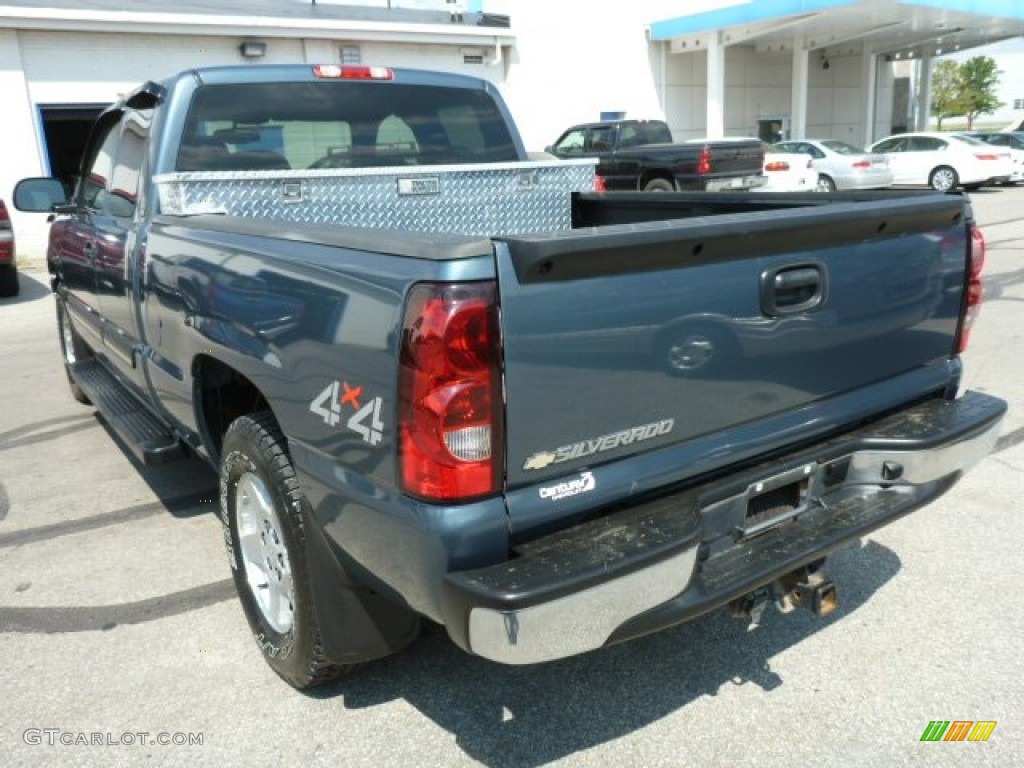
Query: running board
[(150, 440)]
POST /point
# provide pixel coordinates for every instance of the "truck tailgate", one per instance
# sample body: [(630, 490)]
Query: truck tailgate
[(735, 157), (639, 338)]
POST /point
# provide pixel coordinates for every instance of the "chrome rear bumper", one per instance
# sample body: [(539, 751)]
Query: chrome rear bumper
[(673, 558)]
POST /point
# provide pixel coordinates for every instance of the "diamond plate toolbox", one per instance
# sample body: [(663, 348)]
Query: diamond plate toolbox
[(488, 199)]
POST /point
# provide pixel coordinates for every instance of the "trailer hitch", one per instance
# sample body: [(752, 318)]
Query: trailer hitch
[(808, 587)]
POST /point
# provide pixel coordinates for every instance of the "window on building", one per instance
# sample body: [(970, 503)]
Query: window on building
[(351, 54)]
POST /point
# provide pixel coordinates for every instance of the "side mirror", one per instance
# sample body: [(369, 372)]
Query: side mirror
[(40, 195)]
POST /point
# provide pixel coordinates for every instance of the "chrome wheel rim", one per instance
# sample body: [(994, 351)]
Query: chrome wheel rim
[(943, 180), (824, 185), (268, 571), (691, 353)]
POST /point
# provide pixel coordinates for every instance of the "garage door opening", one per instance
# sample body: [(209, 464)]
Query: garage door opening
[(65, 132)]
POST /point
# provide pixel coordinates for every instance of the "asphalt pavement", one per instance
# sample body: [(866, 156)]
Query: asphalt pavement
[(120, 631)]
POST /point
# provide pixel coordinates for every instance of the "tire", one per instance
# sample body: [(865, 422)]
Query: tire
[(8, 281), (825, 184), (943, 179), (659, 185), (697, 351), (72, 349), (262, 511)]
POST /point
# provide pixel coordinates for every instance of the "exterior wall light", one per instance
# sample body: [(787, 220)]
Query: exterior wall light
[(253, 49)]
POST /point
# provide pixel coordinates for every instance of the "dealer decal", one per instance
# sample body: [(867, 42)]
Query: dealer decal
[(331, 404), (600, 444), (582, 484)]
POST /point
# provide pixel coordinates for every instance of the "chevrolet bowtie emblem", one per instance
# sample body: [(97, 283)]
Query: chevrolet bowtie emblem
[(540, 460)]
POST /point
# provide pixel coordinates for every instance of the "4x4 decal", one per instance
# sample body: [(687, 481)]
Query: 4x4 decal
[(366, 422)]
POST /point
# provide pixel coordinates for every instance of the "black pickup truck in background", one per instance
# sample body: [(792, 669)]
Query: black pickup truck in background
[(640, 155)]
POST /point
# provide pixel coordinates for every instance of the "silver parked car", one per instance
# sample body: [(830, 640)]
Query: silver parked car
[(841, 165)]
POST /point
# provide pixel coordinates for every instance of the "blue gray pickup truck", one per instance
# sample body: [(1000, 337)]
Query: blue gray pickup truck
[(441, 381)]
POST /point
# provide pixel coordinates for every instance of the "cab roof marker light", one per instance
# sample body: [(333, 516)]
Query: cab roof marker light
[(339, 72)]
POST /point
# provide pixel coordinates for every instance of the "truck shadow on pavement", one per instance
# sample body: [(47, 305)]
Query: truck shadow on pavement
[(529, 716), (997, 285), (32, 286)]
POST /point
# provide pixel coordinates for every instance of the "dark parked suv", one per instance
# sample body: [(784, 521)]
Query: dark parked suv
[(8, 272)]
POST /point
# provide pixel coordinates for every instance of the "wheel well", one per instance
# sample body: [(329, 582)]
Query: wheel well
[(222, 394), (648, 176)]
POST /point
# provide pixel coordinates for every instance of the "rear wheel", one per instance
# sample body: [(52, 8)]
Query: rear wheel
[(262, 511), (659, 185), (943, 179), (825, 184), (8, 281), (72, 348)]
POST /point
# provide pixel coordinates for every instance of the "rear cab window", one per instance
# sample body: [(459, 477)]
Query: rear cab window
[(284, 126)]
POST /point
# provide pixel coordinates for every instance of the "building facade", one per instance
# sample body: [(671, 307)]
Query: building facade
[(848, 69)]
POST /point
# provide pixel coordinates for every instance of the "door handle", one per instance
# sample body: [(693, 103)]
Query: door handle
[(793, 289)]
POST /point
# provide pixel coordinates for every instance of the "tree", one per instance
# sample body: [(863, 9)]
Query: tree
[(946, 91), (978, 79)]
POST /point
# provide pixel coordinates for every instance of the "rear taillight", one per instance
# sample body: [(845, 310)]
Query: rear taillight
[(862, 164), (6, 244), (778, 165), (704, 161), (599, 183), (985, 156), (450, 408), (975, 291)]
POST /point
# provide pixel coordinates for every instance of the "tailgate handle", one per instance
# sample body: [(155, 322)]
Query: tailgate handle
[(793, 289)]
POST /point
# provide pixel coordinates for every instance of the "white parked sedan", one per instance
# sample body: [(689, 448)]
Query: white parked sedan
[(944, 161), (788, 172), (841, 165), (1013, 141)]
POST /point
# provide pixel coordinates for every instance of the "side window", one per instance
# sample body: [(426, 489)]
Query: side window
[(630, 136), (98, 171), (124, 181), (572, 142), (813, 151), (602, 139), (110, 184), (927, 144), (891, 145)]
